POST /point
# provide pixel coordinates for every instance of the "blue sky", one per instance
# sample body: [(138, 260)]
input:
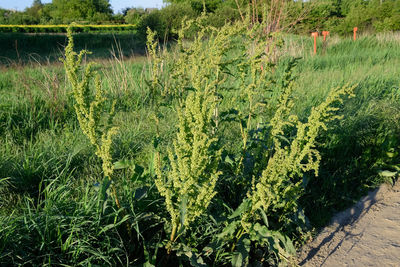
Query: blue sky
[(117, 5)]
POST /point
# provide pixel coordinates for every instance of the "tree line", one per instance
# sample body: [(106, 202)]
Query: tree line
[(338, 16)]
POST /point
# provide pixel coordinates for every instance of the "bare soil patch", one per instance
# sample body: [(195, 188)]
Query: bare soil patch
[(367, 234)]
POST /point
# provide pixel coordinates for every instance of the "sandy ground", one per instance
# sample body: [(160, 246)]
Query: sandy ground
[(367, 234)]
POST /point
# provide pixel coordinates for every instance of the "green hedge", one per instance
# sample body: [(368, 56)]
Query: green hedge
[(63, 28)]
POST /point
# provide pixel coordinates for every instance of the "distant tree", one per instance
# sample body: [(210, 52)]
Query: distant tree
[(167, 20), (347, 5), (34, 11), (133, 15), (172, 16), (72, 10), (4, 16), (197, 5), (320, 14), (45, 14)]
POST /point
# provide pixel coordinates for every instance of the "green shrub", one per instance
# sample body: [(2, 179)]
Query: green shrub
[(167, 21), (134, 15), (223, 15)]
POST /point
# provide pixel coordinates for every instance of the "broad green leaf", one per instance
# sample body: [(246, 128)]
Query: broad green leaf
[(228, 160), (246, 204), (264, 216), (229, 230), (241, 257), (194, 258), (387, 173), (123, 164), (148, 264), (391, 154), (237, 259)]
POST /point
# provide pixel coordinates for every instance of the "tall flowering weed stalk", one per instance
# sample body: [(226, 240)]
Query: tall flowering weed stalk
[(188, 185), (199, 71), (95, 119), (274, 196), (234, 57), (200, 76), (281, 184), (188, 182), (196, 63)]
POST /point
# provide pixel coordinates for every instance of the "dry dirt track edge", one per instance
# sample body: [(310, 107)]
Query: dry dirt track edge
[(367, 234)]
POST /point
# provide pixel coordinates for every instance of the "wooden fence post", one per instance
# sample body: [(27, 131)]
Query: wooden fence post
[(355, 33), (325, 33), (315, 35)]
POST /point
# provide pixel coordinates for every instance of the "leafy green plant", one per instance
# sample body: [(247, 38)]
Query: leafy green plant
[(289, 160), (95, 119), (275, 193), (237, 57), (188, 186)]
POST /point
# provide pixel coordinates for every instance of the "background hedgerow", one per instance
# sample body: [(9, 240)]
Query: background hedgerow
[(63, 28), (338, 16)]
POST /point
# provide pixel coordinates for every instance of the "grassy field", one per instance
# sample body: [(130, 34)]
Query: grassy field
[(51, 212), (22, 48)]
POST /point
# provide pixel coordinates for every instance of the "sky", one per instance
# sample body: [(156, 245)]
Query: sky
[(117, 5)]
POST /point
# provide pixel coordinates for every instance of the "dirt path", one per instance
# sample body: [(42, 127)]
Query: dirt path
[(368, 234)]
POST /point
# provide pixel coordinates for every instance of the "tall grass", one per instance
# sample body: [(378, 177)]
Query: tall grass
[(50, 178)]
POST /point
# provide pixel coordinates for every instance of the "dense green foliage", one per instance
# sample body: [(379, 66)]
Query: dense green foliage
[(60, 28), (60, 12), (342, 15), (66, 11), (228, 151), (337, 16)]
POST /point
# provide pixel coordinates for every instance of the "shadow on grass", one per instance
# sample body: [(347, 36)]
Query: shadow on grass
[(22, 48)]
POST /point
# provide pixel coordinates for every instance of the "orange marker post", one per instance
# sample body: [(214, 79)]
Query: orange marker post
[(355, 33), (325, 33), (315, 35)]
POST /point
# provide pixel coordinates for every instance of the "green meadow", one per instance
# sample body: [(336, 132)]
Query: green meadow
[(24, 48), (57, 206)]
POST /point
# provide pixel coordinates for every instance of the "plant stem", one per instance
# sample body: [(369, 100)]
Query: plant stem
[(115, 195)]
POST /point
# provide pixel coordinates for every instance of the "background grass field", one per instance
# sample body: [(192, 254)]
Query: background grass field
[(48, 171), (23, 48)]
